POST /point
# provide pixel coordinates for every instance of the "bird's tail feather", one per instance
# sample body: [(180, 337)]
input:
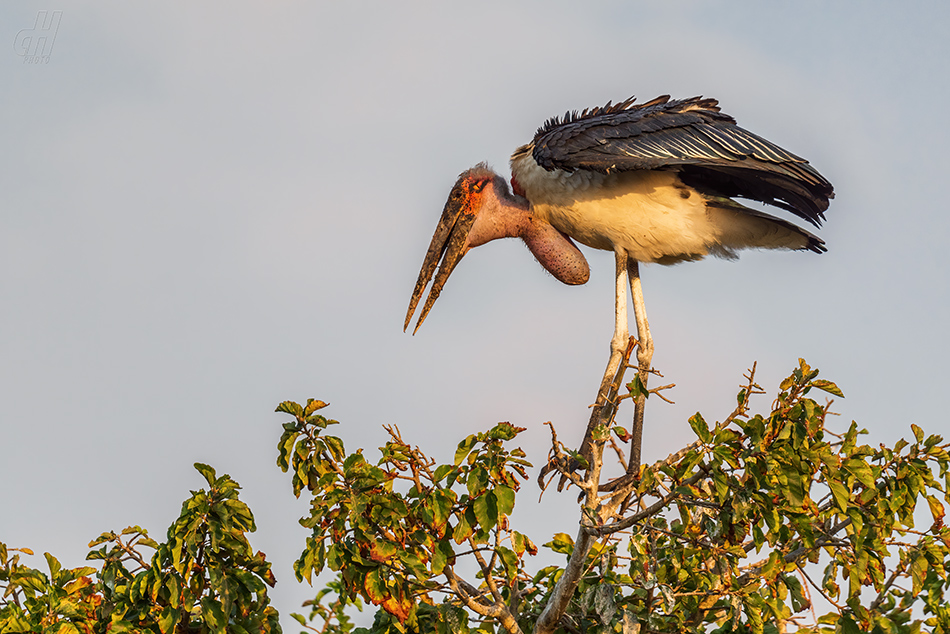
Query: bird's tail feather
[(742, 227)]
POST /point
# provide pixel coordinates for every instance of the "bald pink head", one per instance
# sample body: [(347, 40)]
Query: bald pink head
[(480, 209)]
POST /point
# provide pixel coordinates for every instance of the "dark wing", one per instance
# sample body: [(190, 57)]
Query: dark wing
[(692, 136)]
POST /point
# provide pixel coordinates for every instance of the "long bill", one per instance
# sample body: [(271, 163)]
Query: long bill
[(449, 244)]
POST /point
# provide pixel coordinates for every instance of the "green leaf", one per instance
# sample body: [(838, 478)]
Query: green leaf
[(335, 446), (799, 599), (523, 544), (442, 554), (722, 486), (463, 449), (32, 580), (289, 407), (827, 386), (562, 543), (841, 495), (773, 566), (918, 573), (847, 625), (440, 503), (486, 510), (285, 449), (794, 490), (504, 431), (80, 579), (700, 427), (860, 470), (918, 433), (505, 499), (174, 591), (68, 609), (580, 459), (517, 542), (213, 615), (509, 559), (637, 388), (54, 567), (477, 480), (168, 619), (936, 509), (207, 472), (465, 526), (444, 470), (381, 551), (600, 432), (105, 537), (375, 587), (312, 406)]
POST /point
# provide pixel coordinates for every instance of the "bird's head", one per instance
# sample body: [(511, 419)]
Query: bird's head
[(480, 208)]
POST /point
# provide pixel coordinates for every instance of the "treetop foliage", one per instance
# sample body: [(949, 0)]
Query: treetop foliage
[(205, 578), (750, 528), (765, 522)]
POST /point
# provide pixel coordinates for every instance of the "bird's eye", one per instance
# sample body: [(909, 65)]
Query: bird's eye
[(478, 187)]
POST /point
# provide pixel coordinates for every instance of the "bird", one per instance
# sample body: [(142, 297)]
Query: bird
[(653, 182)]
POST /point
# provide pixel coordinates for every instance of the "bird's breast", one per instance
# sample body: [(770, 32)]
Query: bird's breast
[(650, 214)]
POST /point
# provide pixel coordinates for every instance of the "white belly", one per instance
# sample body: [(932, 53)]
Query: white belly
[(645, 212)]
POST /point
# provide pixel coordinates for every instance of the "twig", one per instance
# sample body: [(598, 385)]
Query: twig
[(657, 391), (654, 508), (618, 450), (821, 591), (561, 463), (487, 572), (751, 387), (132, 553), (469, 595), (795, 555), (887, 586), (476, 602)]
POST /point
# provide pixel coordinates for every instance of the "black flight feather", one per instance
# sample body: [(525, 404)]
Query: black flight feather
[(691, 136)]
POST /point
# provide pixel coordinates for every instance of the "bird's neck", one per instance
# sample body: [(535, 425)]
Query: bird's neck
[(555, 252), (507, 216), (502, 216)]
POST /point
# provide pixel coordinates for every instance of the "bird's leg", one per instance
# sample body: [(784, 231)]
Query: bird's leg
[(618, 345), (621, 326), (644, 360)]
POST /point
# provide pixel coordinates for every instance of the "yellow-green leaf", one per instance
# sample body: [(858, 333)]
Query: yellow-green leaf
[(828, 386), (841, 495), (505, 497)]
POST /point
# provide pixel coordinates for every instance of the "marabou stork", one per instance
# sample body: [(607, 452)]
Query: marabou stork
[(652, 182)]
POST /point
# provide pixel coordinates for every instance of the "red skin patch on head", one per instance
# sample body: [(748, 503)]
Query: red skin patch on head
[(473, 196), (517, 188)]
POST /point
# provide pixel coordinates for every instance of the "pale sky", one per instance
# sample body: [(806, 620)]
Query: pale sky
[(208, 208)]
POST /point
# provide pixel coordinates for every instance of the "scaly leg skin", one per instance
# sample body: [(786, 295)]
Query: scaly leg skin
[(644, 360), (621, 328)]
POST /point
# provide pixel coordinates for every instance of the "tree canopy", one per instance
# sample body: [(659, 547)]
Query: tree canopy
[(766, 522)]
